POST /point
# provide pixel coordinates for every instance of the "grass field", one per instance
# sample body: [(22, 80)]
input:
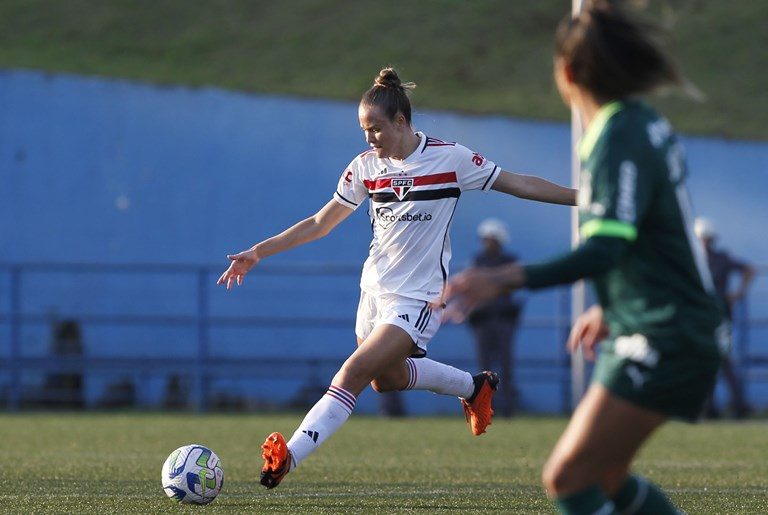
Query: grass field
[(483, 56), (110, 463)]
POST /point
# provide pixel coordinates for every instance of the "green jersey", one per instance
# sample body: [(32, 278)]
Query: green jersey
[(633, 188)]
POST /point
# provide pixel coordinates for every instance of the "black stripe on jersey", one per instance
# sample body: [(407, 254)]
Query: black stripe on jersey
[(489, 177), (417, 195), (447, 227), (421, 315), (345, 199), (426, 320), (434, 142), (373, 227)]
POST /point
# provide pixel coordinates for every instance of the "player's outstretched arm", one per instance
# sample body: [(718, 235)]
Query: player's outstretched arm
[(309, 229), (534, 188), (475, 287)]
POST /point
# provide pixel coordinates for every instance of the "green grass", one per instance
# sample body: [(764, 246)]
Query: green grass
[(479, 56), (110, 463)]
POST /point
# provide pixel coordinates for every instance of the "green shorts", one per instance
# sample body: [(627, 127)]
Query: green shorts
[(676, 385)]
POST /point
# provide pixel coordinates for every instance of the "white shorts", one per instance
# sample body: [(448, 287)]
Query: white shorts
[(416, 317)]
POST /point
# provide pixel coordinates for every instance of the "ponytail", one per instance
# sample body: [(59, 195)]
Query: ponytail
[(390, 94)]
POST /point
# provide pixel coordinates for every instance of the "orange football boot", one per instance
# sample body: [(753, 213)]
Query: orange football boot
[(477, 409), (277, 460)]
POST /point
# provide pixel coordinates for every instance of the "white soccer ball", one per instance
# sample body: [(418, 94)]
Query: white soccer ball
[(192, 475)]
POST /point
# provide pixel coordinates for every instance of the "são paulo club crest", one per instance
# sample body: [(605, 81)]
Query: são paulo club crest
[(401, 187)]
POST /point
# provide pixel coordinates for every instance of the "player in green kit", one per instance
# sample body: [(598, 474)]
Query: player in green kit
[(657, 316)]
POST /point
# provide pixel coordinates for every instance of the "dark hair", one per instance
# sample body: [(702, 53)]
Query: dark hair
[(612, 54), (389, 93)]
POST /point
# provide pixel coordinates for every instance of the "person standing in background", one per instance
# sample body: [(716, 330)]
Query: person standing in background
[(722, 266), (65, 389), (494, 323), (391, 404)]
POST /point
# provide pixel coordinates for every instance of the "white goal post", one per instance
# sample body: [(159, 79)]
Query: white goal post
[(578, 290)]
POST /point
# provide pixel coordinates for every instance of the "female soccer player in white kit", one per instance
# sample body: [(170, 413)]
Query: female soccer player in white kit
[(413, 183)]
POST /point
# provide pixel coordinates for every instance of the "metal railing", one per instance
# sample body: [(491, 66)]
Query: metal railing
[(200, 366), (750, 351)]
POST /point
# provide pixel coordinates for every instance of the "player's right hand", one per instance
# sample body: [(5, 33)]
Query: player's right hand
[(240, 264), (588, 331)]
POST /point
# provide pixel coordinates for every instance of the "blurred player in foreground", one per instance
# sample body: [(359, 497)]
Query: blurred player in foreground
[(657, 316), (413, 183)]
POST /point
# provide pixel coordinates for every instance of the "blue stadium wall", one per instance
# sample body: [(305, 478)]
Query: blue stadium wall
[(109, 171)]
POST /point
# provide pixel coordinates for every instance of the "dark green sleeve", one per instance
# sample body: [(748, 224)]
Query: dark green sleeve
[(595, 256), (620, 186)]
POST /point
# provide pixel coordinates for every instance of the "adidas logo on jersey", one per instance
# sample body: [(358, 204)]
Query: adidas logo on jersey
[(312, 434)]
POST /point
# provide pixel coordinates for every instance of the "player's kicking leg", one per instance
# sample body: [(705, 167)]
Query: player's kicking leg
[(278, 459), (386, 345), (474, 392), (383, 360), (421, 321)]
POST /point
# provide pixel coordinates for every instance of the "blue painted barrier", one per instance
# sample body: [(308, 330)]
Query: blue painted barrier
[(120, 173)]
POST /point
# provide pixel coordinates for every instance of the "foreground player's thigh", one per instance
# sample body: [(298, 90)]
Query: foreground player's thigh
[(599, 443), (385, 348)]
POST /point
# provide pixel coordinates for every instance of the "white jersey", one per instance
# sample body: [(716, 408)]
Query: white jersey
[(411, 207)]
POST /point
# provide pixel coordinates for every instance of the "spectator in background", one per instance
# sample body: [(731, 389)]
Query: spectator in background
[(722, 266), (391, 404), (176, 396), (494, 323), (65, 389)]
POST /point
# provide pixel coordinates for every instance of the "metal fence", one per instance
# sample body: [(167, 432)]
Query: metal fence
[(750, 353), (25, 315)]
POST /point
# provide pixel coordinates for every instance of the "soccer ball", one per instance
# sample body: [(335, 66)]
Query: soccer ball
[(192, 475)]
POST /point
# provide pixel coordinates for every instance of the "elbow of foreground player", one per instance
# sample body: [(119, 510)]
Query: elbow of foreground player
[(594, 257)]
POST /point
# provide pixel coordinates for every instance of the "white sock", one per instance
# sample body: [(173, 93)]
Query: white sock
[(437, 377), (325, 417)]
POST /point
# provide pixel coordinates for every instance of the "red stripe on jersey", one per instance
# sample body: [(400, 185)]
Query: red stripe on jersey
[(437, 178), (377, 184)]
